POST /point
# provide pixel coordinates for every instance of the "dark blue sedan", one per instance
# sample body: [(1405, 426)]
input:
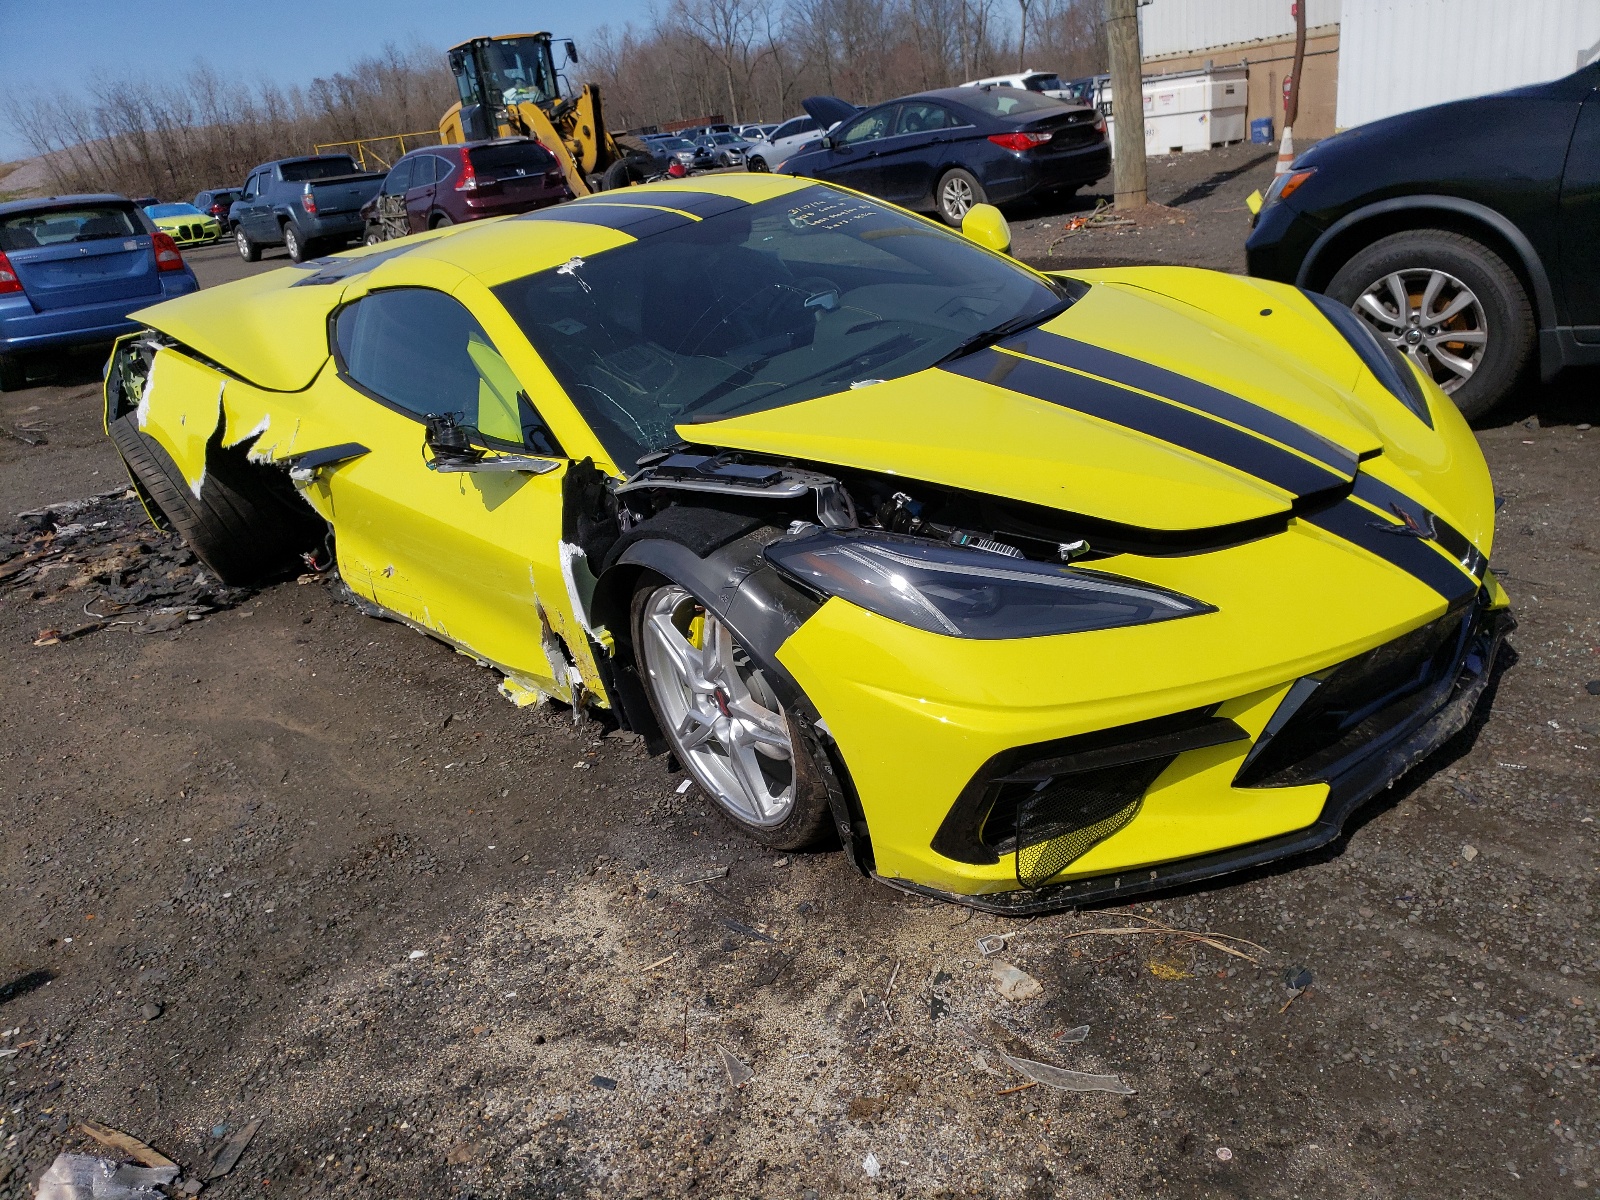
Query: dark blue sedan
[(71, 270), (946, 150)]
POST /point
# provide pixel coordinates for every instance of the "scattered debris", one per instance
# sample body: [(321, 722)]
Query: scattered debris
[(104, 550), (715, 873), (747, 930), (1155, 928), (416, 954), (660, 962), (738, 1073), (1065, 1080), (993, 943), (1297, 979), (1469, 852), (151, 1010), (1224, 1154), (85, 1177), (602, 1081), (684, 787), (127, 1145), (1014, 983), (1169, 971), (871, 1165), (1592, 687), (228, 1154)]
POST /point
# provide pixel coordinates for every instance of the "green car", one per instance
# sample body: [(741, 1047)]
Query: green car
[(184, 223)]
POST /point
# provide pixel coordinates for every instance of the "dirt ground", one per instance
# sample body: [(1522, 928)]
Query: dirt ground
[(264, 857)]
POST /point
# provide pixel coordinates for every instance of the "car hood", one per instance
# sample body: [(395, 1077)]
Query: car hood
[(1166, 398), (828, 111)]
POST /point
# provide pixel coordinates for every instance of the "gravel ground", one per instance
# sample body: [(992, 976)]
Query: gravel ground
[(277, 860)]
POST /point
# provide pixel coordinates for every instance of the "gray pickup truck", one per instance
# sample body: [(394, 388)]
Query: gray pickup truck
[(305, 204)]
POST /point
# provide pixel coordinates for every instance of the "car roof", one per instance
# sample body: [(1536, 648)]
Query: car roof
[(44, 202)]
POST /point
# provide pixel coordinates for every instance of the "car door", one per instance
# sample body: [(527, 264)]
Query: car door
[(909, 159), (254, 214), (1580, 224), (392, 199), (471, 555), (419, 192), (851, 158)]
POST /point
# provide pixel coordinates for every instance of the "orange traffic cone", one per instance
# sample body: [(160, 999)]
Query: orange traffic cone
[(1285, 152)]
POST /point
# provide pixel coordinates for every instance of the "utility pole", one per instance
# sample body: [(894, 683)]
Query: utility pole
[(1127, 96), (1291, 91)]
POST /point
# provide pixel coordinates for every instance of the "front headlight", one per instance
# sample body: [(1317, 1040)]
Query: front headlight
[(1379, 356), (970, 593)]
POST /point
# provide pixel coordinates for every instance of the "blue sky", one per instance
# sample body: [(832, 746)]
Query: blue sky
[(68, 45)]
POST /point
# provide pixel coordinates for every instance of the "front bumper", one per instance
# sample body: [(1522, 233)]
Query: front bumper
[(194, 233), (1387, 760)]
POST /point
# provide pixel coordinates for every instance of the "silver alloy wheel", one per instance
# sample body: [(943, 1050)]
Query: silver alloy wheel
[(956, 196), (242, 241), (1432, 316), (722, 719)]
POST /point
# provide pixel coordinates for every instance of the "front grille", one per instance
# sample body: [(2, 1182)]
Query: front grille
[(1051, 802), (1060, 820), (1343, 713)]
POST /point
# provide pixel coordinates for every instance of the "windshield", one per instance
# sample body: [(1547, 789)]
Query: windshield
[(676, 143), (1007, 102), (765, 305), (318, 168), (521, 70), (173, 210), (52, 227)]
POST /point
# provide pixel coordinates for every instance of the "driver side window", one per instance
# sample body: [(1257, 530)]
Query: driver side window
[(868, 128), (399, 179), (421, 351)]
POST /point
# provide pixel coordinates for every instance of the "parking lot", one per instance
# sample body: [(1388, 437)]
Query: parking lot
[(291, 863)]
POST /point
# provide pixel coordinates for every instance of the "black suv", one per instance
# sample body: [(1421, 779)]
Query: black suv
[(1467, 234)]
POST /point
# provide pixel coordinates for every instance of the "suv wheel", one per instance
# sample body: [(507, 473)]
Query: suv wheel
[(958, 191), (1451, 304)]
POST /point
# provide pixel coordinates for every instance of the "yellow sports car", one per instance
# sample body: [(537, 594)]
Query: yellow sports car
[(1028, 589), (186, 224)]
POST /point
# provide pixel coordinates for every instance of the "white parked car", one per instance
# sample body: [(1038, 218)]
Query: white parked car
[(782, 144), (1045, 82)]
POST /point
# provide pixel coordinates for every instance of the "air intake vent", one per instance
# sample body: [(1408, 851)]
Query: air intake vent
[(1061, 820)]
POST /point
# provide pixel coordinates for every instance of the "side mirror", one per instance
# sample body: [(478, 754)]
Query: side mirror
[(985, 225), (457, 448), (572, 53), (826, 143)]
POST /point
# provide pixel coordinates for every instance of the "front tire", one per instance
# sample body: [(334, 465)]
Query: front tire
[(723, 721), (373, 236), (757, 164), (957, 192), (248, 250), (1451, 304)]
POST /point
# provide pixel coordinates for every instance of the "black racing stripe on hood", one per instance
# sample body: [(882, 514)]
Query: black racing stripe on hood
[(631, 219), (698, 204), (1155, 418), (1380, 495), (1354, 523), (1133, 372)]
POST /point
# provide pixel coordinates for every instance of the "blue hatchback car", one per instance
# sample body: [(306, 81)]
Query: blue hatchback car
[(71, 270)]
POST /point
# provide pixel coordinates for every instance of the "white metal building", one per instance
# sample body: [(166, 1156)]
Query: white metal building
[(1396, 55), (1173, 27)]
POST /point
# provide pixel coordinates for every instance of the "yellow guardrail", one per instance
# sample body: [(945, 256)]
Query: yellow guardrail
[(382, 151)]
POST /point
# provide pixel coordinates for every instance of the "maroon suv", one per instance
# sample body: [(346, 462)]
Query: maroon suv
[(446, 185)]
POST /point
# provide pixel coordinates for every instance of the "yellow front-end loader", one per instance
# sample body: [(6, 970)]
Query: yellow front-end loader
[(509, 88)]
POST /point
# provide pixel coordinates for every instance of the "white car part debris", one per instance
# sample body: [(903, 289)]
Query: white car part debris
[(871, 1165), (738, 1073), (1065, 1080), (85, 1177), (992, 943), (1014, 983)]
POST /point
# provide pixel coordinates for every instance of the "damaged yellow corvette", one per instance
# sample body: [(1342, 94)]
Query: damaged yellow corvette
[(1031, 590)]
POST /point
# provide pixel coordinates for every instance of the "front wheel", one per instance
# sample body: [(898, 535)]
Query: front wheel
[(757, 164), (373, 236), (958, 191), (248, 250), (1449, 303), (723, 721)]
